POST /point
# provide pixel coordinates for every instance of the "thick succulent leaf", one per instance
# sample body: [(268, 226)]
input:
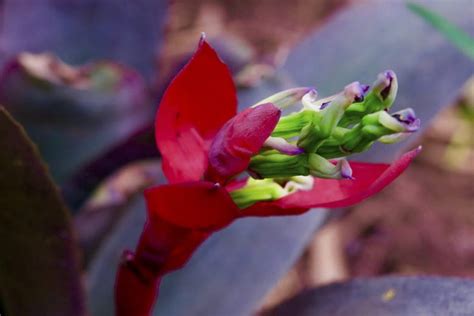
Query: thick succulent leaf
[(73, 113), (138, 146), (106, 205), (196, 104), (39, 270), (372, 36), (79, 31), (389, 296), (103, 268)]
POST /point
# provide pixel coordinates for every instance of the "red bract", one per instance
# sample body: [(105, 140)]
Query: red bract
[(204, 144), (197, 103), (330, 193), (238, 140)]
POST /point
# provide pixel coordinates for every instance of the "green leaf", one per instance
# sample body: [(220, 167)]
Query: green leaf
[(458, 37), (39, 270)]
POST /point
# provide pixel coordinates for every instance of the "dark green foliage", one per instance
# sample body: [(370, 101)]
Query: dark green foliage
[(39, 272)]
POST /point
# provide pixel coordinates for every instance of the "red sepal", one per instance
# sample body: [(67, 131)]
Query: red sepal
[(239, 139)]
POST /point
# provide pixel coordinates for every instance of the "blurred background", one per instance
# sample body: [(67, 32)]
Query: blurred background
[(85, 77)]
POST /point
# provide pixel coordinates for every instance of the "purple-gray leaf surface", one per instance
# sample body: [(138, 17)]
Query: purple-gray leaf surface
[(73, 113), (387, 296), (80, 31)]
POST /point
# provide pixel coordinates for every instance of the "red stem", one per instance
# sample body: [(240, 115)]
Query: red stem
[(162, 248)]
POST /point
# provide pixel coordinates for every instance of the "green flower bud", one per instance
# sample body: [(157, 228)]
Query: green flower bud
[(299, 183), (287, 98), (316, 132), (393, 138), (256, 190), (333, 127), (282, 145), (380, 97), (310, 137), (378, 126), (310, 101), (333, 111), (291, 125), (272, 164), (277, 165), (323, 168)]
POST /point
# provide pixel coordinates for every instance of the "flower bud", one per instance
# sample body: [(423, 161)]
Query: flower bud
[(259, 190), (282, 145), (291, 125), (381, 97), (402, 121), (287, 98), (323, 168), (333, 127), (378, 126), (386, 88), (299, 183), (334, 111), (256, 190), (315, 133), (311, 102), (273, 164)]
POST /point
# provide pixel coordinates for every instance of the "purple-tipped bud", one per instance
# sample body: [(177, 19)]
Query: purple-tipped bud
[(288, 98), (408, 119), (309, 100), (404, 121), (354, 92), (283, 146), (393, 138), (346, 170), (365, 88), (323, 168), (386, 87)]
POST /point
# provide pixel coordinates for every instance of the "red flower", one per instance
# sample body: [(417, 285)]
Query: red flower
[(199, 109), (204, 143)]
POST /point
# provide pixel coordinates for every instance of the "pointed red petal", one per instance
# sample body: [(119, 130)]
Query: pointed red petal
[(199, 100), (199, 205), (369, 179), (240, 139)]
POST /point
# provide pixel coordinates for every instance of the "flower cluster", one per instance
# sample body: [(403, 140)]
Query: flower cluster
[(223, 165)]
